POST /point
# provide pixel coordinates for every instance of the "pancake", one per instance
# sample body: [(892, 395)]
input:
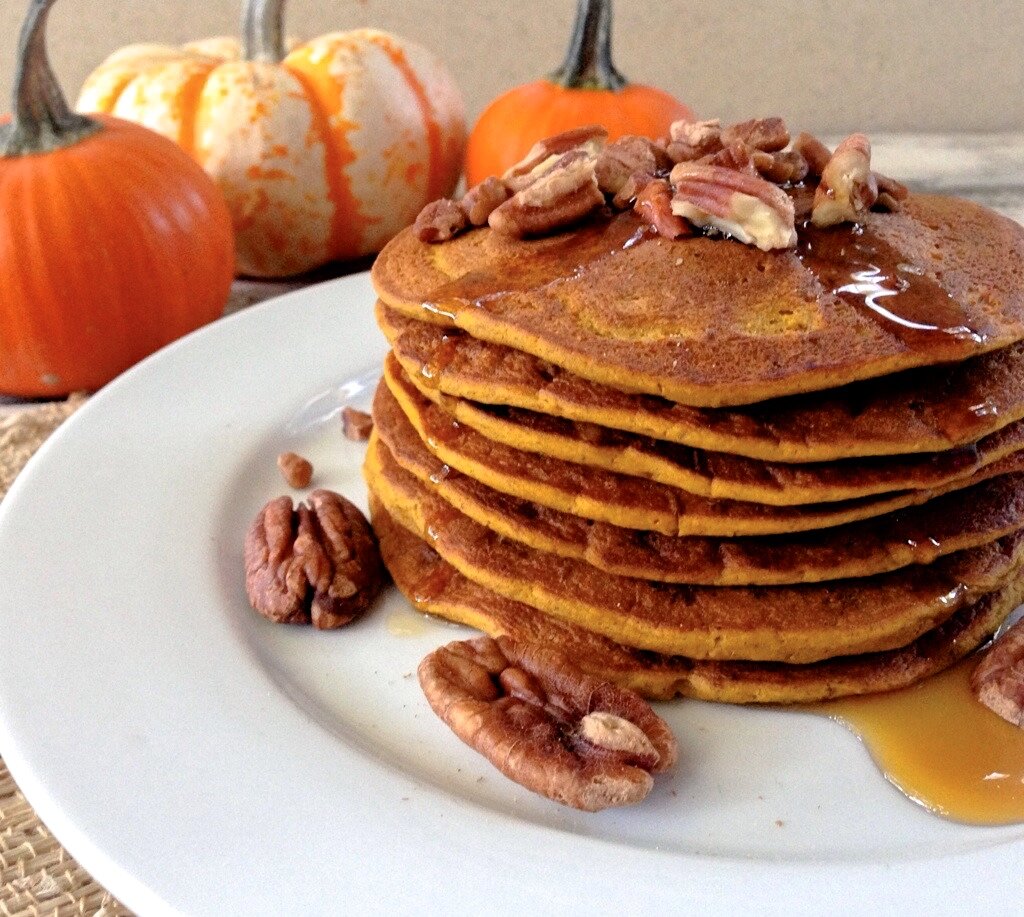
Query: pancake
[(434, 586), (794, 624), (965, 519), (618, 499), (923, 410), (710, 322), (711, 474)]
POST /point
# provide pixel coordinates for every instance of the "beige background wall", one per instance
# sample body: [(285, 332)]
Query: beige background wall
[(826, 64)]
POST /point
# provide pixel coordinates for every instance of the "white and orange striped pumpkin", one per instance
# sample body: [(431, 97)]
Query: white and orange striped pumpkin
[(323, 153)]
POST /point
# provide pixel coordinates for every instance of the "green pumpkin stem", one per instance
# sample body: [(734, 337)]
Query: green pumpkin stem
[(588, 62), (42, 120), (263, 31)]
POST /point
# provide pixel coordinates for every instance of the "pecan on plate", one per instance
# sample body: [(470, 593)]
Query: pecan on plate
[(627, 156), (356, 425), (564, 194), (848, 188), (744, 206), (545, 153), (440, 221), (545, 724), (296, 470), (998, 680), (767, 134), (316, 563)]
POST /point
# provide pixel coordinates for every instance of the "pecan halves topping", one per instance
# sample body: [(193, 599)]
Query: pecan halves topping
[(654, 205), (545, 153), (998, 680), (562, 196), (848, 188), (315, 563), (891, 193), (814, 152), (482, 200), (626, 157), (440, 221), (547, 725), (744, 206), (767, 134), (690, 140)]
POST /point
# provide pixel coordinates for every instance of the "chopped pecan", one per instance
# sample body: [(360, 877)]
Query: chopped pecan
[(317, 563), (891, 193), (563, 195), (296, 471), (848, 188), (814, 152), (690, 140), (545, 153), (998, 680), (744, 206), (768, 134), (780, 168), (737, 155), (631, 189), (545, 724), (654, 205), (482, 200), (440, 220), (626, 156), (356, 425)]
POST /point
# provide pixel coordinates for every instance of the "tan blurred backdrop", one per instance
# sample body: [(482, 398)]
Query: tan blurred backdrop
[(827, 65)]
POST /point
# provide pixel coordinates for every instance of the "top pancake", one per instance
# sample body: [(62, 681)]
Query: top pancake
[(711, 322)]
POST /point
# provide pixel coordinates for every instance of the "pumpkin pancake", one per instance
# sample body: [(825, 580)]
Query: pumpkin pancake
[(434, 586), (923, 410), (794, 624), (965, 519), (711, 322), (620, 499), (711, 474)]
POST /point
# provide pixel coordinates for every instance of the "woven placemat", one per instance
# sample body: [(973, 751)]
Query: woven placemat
[(37, 876)]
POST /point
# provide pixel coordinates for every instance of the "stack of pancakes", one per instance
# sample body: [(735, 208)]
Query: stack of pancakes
[(706, 469)]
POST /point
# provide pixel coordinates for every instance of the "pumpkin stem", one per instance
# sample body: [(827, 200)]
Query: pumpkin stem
[(588, 62), (43, 120), (263, 31)]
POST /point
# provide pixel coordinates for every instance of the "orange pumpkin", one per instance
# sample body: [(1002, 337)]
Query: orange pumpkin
[(586, 89), (322, 153), (112, 241)]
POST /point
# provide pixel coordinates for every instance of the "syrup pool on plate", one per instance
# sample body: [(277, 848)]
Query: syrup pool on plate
[(941, 747)]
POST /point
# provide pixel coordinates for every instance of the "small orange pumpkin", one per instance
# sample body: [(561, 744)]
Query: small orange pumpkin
[(112, 241), (586, 89), (322, 153)]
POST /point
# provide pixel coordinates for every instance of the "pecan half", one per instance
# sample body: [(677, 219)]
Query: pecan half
[(848, 188), (296, 471), (768, 134), (654, 205), (440, 220), (316, 563), (737, 156), (891, 193), (625, 157), (814, 152), (482, 200), (998, 680), (690, 140), (545, 724), (545, 153), (356, 425), (745, 206), (629, 192), (780, 168), (563, 195)]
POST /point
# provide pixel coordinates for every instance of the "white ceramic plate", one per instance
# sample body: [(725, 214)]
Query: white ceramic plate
[(196, 758)]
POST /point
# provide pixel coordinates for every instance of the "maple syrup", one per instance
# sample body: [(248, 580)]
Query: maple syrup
[(941, 747)]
